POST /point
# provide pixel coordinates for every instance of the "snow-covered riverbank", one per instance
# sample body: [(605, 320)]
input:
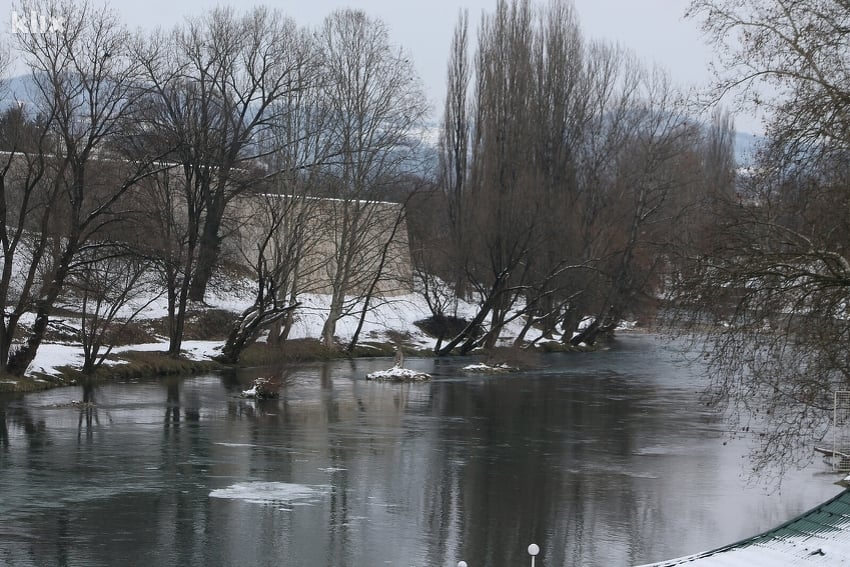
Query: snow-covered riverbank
[(389, 321)]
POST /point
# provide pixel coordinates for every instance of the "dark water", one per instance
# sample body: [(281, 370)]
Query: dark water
[(603, 459)]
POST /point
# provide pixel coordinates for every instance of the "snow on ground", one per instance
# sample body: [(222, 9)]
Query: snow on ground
[(193, 350), (393, 314), (201, 350), (50, 357), (53, 356), (387, 316)]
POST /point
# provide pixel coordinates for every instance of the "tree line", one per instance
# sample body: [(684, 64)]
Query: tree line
[(566, 169), (124, 159)]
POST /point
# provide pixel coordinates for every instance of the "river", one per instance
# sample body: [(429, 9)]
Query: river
[(602, 459)]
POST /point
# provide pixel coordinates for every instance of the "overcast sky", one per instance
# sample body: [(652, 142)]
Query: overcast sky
[(654, 29)]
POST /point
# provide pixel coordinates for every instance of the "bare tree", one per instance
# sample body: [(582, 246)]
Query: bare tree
[(84, 80), (765, 300), (301, 150), (113, 286), (212, 90), (394, 225), (376, 103), (785, 58), (574, 157), (247, 65), (279, 222), (454, 142), (25, 215), (766, 297), (501, 219), (638, 216), (528, 106)]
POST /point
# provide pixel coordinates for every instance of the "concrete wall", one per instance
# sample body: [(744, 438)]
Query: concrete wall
[(330, 234)]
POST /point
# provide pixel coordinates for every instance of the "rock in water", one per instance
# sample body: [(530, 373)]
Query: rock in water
[(263, 389)]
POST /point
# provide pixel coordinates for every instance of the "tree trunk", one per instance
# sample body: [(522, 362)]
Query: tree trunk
[(235, 344), (288, 321), (247, 328), (569, 324), (466, 334), (520, 338), (20, 360), (467, 331), (209, 249), (179, 322), (335, 312), (276, 330), (362, 319)]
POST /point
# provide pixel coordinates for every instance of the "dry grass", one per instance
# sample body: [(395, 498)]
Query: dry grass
[(512, 356), (296, 350)]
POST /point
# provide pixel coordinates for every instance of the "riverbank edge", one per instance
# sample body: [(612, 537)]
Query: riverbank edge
[(138, 365)]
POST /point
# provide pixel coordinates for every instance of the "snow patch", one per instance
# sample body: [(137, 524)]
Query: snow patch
[(398, 374), (50, 357)]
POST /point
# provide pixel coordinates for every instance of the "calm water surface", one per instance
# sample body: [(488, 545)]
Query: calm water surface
[(603, 459)]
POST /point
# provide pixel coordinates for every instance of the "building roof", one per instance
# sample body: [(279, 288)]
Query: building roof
[(818, 537)]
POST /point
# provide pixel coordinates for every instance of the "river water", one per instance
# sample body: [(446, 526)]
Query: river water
[(601, 459)]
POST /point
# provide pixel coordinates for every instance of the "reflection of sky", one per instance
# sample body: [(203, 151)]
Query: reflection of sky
[(601, 459)]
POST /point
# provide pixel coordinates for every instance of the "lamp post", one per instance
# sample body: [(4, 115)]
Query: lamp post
[(533, 550)]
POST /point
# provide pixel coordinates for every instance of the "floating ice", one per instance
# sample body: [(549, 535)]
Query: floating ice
[(482, 368), (271, 493)]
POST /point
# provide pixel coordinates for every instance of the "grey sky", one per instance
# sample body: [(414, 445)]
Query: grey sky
[(654, 29)]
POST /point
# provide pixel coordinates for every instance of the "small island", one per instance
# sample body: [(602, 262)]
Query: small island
[(398, 374)]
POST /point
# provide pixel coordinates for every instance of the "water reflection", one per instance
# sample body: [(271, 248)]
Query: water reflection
[(606, 459)]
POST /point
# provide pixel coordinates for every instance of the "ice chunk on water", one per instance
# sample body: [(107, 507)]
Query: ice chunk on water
[(271, 492)]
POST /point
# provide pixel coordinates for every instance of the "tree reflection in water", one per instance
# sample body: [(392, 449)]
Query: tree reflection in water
[(603, 459)]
